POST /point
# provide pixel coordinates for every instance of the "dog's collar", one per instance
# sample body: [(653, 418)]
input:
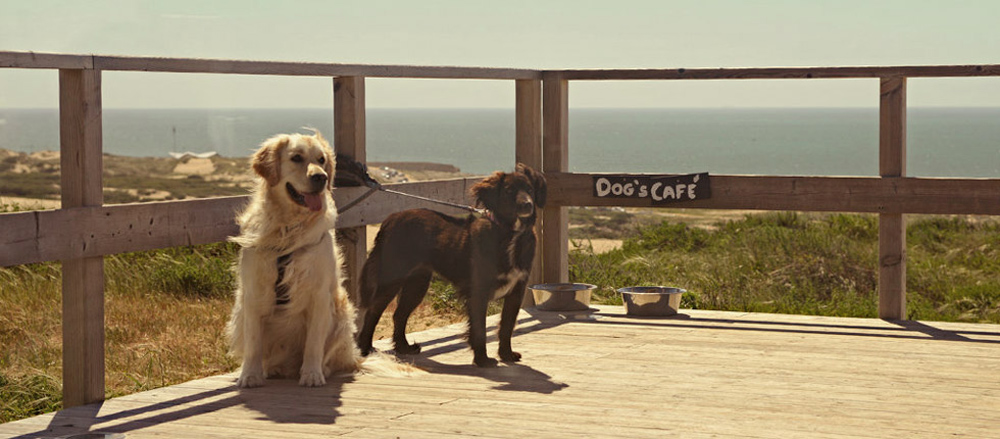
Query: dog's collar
[(488, 214)]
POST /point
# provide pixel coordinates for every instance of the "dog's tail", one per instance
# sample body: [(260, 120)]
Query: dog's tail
[(384, 365), (369, 281)]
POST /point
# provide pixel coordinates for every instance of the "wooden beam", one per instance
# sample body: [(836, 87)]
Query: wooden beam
[(188, 65), (29, 237), (945, 196), (83, 278), (349, 139), (528, 150), (781, 73), (83, 232), (892, 226), (33, 60), (227, 66), (555, 158)]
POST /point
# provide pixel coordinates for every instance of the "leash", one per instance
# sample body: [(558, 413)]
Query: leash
[(432, 200), (372, 190), (359, 172)]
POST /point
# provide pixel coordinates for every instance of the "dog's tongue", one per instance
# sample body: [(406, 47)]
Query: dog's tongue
[(314, 201)]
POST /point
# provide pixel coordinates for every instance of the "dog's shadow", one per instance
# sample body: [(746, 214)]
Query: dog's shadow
[(283, 401), (515, 377)]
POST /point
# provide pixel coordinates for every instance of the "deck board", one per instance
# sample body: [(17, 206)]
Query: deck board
[(602, 374)]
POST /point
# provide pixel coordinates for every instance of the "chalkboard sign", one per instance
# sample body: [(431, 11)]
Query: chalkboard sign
[(659, 189)]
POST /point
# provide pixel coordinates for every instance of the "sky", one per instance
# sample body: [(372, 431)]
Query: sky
[(534, 34)]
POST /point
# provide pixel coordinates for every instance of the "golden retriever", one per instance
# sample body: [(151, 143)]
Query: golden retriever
[(292, 316)]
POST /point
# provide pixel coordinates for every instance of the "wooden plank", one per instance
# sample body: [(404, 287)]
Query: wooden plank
[(19, 239), (190, 65), (528, 124), (28, 237), (34, 60), (193, 65), (349, 139), (555, 158), (82, 279), (85, 232), (56, 61), (807, 193), (892, 226), (528, 150), (781, 72)]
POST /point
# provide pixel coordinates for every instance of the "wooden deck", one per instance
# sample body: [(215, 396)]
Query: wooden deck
[(698, 375)]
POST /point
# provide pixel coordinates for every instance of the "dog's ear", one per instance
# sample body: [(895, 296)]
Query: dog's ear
[(537, 182), (487, 192), (266, 161)]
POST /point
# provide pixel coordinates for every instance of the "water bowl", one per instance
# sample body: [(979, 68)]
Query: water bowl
[(562, 296), (651, 301)]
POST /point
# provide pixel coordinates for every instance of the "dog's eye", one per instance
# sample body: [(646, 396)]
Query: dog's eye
[(297, 158), (322, 160)]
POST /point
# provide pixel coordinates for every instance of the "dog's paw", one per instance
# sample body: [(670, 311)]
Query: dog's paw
[(486, 362), (510, 356), (249, 380), (312, 379), (407, 349)]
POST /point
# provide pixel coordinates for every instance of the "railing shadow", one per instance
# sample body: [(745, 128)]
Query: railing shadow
[(903, 329), (81, 420), (273, 401)]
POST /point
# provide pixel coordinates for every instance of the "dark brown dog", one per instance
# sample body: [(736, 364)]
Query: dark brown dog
[(486, 257)]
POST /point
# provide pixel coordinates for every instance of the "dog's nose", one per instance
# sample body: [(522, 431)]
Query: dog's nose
[(525, 207), (318, 179)]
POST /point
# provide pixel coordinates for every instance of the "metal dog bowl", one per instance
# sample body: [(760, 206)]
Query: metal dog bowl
[(651, 301), (562, 296)]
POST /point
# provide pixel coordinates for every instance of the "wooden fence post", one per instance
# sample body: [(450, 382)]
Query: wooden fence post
[(528, 150), (349, 139), (82, 279), (892, 226), (555, 158)]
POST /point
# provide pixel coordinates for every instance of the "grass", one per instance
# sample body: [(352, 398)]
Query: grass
[(806, 264), (166, 310), (33, 185)]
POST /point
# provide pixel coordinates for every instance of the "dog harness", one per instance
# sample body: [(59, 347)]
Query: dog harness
[(281, 290)]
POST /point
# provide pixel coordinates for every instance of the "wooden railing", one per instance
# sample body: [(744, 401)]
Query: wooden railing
[(84, 230)]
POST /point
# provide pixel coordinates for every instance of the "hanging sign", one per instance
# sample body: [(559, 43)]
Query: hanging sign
[(659, 189)]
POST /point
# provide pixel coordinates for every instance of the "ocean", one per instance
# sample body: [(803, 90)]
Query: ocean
[(941, 142)]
